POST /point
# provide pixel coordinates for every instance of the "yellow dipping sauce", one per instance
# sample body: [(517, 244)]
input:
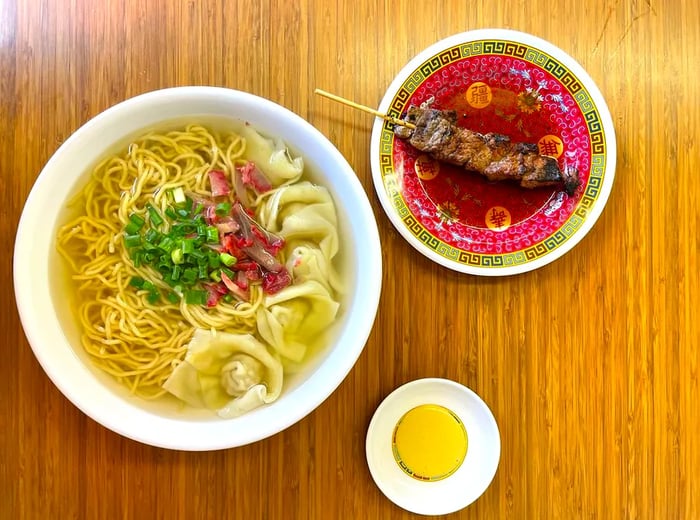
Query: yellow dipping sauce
[(429, 442)]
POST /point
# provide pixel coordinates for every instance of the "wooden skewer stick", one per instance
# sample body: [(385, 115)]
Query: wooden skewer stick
[(352, 104)]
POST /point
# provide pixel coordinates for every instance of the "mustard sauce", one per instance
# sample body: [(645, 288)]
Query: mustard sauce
[(429, 442)]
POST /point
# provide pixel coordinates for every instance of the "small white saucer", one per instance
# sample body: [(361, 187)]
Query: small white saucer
[(466, 484)]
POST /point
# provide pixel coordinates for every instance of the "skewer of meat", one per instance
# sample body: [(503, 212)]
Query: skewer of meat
[(495, 156)]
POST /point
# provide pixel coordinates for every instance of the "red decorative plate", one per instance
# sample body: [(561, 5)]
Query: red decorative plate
[(508, 83)]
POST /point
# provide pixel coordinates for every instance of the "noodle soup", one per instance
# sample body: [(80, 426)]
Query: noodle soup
[(204, 266)]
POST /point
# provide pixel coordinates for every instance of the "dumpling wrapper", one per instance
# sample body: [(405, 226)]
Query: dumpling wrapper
[(272, 157), (303, 212), (291, 319), (201, 379), (307, 262)]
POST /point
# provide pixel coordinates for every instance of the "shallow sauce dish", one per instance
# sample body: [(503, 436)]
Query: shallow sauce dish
[(52, 329), (472, 474)]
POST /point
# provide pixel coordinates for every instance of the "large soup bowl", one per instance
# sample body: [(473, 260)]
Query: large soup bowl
[(52, 329)]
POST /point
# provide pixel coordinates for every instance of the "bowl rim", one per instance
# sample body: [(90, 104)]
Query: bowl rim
[(580, 73), (68, 372)]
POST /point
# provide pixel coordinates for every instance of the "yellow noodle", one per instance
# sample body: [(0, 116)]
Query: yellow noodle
[(137, 342)]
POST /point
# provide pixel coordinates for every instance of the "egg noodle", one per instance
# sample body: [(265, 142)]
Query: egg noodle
[(138, 342)]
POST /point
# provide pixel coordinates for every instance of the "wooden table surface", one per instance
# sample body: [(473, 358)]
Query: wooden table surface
[(590, 364)]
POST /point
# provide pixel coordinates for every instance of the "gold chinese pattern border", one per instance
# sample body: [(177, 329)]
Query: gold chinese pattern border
[(583, 100)]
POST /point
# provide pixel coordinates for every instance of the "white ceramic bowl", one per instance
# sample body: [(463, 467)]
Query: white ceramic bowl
[(52, 330)]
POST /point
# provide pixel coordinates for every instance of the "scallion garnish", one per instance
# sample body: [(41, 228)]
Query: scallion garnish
[(152, 236), (177, 256), (137, 220), (189, 275), (180, 243), (227, 259), (167, 244), (170, 213), (178, 195), (132, 240), (212, 235), (223, 208), (187, 246), (196, 297), (214, 260), (155, 217), (136, 281)]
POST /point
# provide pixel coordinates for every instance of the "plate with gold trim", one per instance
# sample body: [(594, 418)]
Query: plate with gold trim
[(503, 82)]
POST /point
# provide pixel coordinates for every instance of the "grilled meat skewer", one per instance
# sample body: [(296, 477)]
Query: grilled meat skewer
[(493, 155)]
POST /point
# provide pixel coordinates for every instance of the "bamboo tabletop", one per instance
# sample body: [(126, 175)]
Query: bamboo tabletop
[(589, 364)]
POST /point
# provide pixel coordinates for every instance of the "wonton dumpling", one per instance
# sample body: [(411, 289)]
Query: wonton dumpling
[(307, 262), (230, 373), (272, 157), (303, 212), (292, 319)]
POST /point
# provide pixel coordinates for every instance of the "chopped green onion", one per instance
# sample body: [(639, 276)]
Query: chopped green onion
[(182, 229), (187, 246), (198, 209), (215, 276), (177, 256), (137, 281), (152, 236), (227, 259), (178, 195), (167, 244), (188, 204), (203, 271), (196, 297), (136, 256), (173, 297), (228, 298), (170, 212), (212, 235), (156, 219), (183, 213), (137, 220), (153, 297), (148, 286), (228, 272), (189, 275), (223, 208), (198, 255), (214, 260), (132, 240), (131, 229)]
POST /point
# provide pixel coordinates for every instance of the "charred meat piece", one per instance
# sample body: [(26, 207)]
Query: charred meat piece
[(493, 155)]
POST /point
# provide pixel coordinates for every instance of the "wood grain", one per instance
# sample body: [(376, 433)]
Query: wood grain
[(590, 364)]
